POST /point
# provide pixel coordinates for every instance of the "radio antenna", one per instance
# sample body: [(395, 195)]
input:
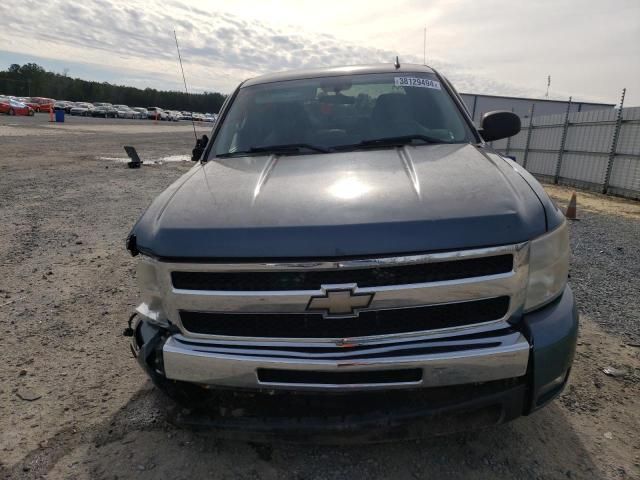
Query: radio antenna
[(193, 124)]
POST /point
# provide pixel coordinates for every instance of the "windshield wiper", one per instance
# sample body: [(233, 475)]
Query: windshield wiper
[(391, 142), (283, 149)]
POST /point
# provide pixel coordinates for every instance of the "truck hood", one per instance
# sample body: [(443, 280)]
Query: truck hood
[(373, 202)]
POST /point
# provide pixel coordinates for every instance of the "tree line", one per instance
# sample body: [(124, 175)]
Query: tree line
[(31, 80)]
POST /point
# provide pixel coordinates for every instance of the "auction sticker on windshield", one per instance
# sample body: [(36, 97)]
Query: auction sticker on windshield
[(417, 82)]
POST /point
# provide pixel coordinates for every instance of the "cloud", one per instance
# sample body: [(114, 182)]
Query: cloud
[(135, 40)]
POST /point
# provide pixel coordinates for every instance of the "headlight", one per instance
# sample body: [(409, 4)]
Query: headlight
[(151, 299), (548, 267)]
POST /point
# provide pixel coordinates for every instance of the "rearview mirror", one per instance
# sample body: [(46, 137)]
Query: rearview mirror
[(499, 124), (198, 150)]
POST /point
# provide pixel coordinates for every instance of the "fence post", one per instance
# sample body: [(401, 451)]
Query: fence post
[(614, 144), (562, 142), (529, 131)]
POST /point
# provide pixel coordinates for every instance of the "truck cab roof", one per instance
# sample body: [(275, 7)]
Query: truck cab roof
[(337, 71)]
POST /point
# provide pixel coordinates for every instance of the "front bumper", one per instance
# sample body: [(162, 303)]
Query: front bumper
[(491, 378), (435, 363)]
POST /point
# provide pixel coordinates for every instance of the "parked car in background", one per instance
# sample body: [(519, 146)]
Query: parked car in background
[(187, 115), (46, 104), (209, 117), (63, 105), (11, 106), (30, 103), (142, 112), (124, 111), (174, 115), (198, 117), (104, 110), (170, 115), (81, 108), (156, 113)]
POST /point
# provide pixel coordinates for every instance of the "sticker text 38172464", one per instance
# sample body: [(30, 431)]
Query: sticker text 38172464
[(417, 82)]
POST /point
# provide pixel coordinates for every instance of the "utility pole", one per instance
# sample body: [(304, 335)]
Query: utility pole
[(548, 84), (424, 47)]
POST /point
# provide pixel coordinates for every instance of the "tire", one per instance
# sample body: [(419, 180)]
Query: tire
[(31, 113), (12, 112), (186, 395)]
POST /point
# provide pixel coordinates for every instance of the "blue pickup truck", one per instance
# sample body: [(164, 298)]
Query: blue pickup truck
[(348, 258)]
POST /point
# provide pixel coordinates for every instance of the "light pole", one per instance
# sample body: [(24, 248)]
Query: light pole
[(424, 47), (548, 84)]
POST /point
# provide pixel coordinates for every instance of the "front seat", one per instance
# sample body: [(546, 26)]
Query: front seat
[(289, 123), (392, 116)]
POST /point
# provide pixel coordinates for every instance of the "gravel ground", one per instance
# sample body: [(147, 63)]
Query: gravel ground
[(74, 405), (605, 267)]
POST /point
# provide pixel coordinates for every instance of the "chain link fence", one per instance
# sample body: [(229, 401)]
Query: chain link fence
[(595, 150)]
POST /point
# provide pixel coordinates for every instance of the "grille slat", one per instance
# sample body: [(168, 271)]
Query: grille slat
[(366, 277), (369, 322)]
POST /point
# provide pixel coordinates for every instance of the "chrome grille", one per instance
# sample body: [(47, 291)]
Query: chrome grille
[(262, 280), (479, 275), (368, 322)]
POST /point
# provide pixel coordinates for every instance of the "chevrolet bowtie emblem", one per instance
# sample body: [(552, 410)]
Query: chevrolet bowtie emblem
[(340, 302)]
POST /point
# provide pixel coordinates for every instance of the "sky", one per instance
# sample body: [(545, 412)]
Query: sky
[(591, 48)]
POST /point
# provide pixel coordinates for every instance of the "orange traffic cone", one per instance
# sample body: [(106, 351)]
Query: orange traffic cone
[(571, 212)]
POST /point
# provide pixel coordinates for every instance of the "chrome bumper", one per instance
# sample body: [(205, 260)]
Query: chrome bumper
[(495, 355)]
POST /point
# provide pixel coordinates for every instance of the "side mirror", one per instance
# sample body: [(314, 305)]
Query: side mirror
[(499, 124), (198, 150)]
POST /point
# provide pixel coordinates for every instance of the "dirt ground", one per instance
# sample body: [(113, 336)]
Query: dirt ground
[(75, 405)]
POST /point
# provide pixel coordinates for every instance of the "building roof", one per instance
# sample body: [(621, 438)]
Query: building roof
[(336, 71), (537, 99)]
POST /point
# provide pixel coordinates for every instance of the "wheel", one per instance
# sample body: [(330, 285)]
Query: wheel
[(12, 111), (31, 113)]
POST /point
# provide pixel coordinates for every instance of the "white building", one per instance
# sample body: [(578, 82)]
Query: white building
[(481, 104)]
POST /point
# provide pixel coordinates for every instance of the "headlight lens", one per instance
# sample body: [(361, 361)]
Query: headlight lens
[(151, 299), (548, 267)]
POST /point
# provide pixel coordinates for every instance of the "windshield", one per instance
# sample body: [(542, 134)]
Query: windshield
[(341, 113)]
